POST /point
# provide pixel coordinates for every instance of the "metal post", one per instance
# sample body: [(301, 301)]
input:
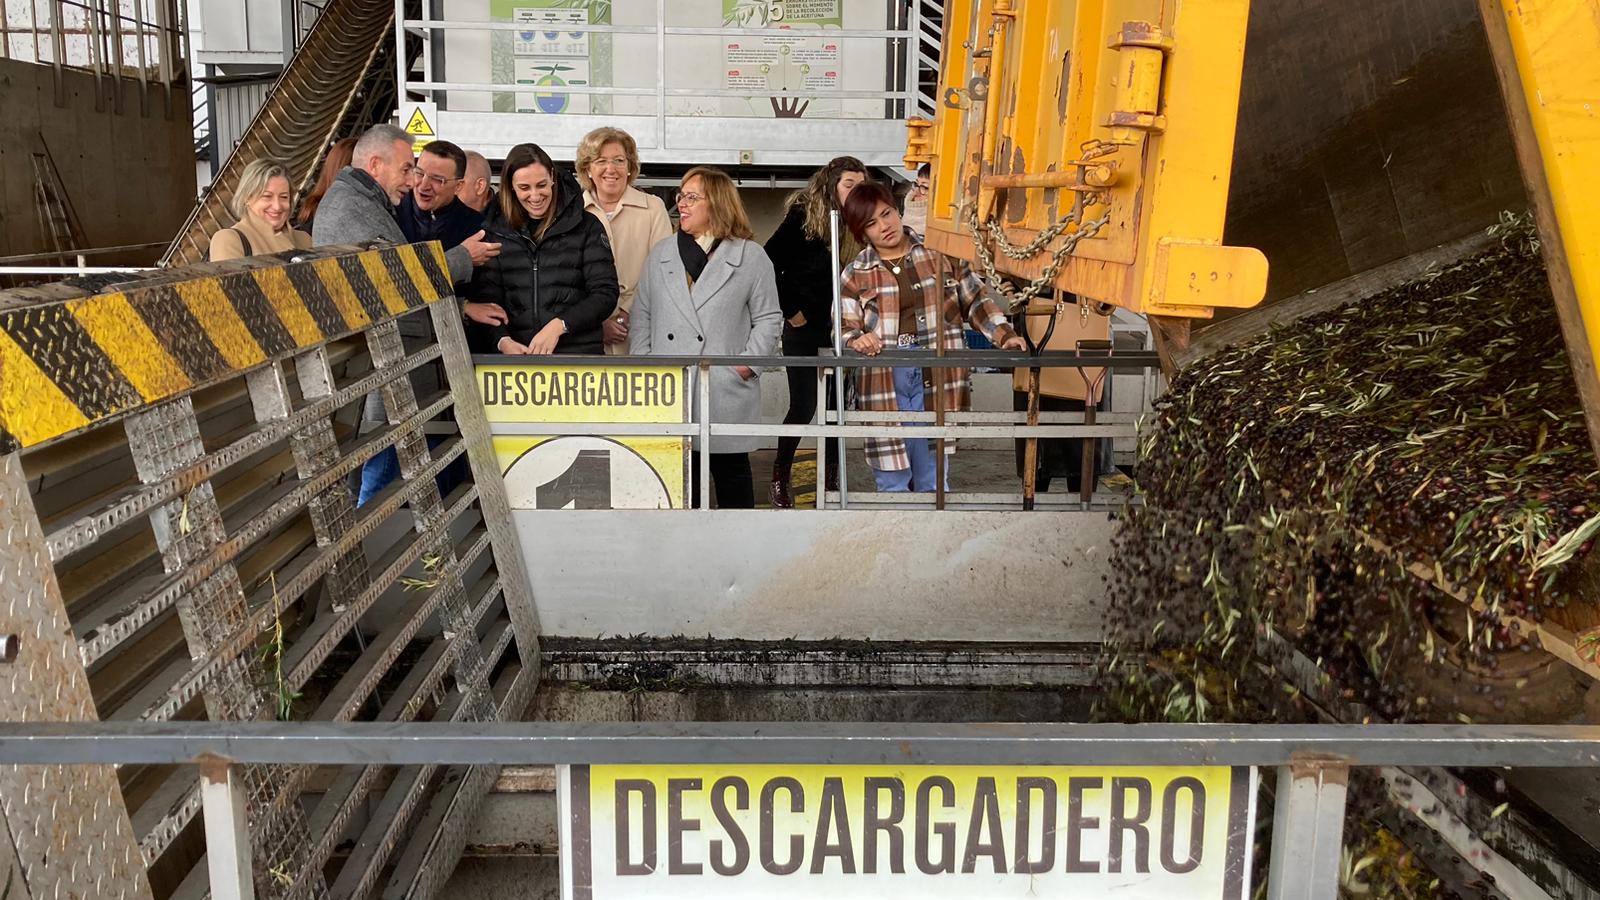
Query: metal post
[(822, 443), (1090, 468), (427, 49), (33, 10), (661, 74), (1030, 452), (115, 13), (144, 68), (286, 19), (227, 838), (58, 47), (400, 54), (164, 25), (1307, 831), (703, 414), (838, 351)]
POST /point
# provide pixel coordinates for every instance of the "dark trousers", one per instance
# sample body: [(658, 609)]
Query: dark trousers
[(730, 480), (803, 393), (1058, 457)]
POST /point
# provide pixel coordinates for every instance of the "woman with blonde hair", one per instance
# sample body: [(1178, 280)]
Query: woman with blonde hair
[(803, 259), (261, 202), (711, 291), (607, 165)]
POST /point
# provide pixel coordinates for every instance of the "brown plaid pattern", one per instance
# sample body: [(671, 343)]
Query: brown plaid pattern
[(948, 294)]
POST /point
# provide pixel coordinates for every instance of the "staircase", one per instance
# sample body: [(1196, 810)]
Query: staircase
[(339, 81)]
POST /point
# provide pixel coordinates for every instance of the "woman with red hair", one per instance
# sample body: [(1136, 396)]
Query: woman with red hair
[(898, 293)]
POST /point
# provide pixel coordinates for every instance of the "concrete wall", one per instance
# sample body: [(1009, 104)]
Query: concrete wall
[(128, 168), (873, 575)]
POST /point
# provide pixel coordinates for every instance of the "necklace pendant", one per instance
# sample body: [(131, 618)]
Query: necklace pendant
[(895, 269)]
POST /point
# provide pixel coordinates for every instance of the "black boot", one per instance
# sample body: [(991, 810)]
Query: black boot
[(779, 493)]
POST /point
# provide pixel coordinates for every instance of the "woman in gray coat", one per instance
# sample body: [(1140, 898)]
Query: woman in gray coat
[(709, 290)]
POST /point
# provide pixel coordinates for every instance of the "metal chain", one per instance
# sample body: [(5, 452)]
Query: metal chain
[(1019, 300)]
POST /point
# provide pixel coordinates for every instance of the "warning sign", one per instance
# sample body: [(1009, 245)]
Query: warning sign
[(700, 832), (593, 470), (417, 120)]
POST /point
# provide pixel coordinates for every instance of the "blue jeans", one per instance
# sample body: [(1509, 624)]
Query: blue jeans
[(378, 472), (923, 473)]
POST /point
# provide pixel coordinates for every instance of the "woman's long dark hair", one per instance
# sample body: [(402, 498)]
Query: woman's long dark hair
[(520, 157)]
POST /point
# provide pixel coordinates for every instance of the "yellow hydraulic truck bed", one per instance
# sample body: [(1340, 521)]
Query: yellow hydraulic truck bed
[(1088, 144), (1110, 123)]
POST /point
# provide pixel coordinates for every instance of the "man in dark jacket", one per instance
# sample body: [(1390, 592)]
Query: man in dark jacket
[(475, 189), (561, 285), (360, 207), (431, 211)]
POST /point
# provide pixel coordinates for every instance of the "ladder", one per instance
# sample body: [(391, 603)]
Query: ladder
[(58, 222)]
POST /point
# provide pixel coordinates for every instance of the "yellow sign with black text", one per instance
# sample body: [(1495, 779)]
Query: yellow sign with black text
[(587, 470), (699, 832)]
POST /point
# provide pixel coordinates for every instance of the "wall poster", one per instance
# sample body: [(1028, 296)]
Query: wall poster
[(795, 60)]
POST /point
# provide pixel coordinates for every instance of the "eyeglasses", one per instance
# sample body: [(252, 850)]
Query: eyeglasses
[(616, 162), (437, 181), (686, 198)]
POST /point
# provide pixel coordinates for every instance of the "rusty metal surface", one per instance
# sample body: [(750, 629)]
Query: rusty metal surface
[(68, 825)]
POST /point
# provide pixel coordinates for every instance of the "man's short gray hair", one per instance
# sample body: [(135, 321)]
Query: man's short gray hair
[(378, 141), (253, 181)]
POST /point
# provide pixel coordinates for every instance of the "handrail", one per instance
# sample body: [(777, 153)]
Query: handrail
[(952, 359), (92, 251), (837, 425), (831, 743)]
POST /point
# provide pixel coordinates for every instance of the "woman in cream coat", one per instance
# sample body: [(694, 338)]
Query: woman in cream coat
[(262, 204), (710, 291), (608, 163)]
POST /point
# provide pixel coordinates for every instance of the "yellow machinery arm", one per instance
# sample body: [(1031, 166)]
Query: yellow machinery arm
[(1544, 53), (1087, 145)]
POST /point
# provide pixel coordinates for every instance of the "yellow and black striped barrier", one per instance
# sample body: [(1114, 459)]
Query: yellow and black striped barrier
[(67, 362)]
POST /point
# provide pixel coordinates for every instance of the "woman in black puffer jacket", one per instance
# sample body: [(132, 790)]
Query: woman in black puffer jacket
[(554, 277)]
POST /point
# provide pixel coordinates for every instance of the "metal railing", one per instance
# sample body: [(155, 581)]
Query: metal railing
[(1313, 763), (842, 425), (907, 67)]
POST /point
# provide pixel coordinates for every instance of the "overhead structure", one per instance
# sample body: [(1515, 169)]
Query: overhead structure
[(1085, 147)]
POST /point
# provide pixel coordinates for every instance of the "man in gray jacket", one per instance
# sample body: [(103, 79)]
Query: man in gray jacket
[(360, 208)]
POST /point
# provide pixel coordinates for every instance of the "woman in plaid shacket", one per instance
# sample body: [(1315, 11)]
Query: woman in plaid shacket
[(898, 293)]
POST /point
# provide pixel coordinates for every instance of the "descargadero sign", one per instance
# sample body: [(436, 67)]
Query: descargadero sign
[(588, 469), (842, 832)]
